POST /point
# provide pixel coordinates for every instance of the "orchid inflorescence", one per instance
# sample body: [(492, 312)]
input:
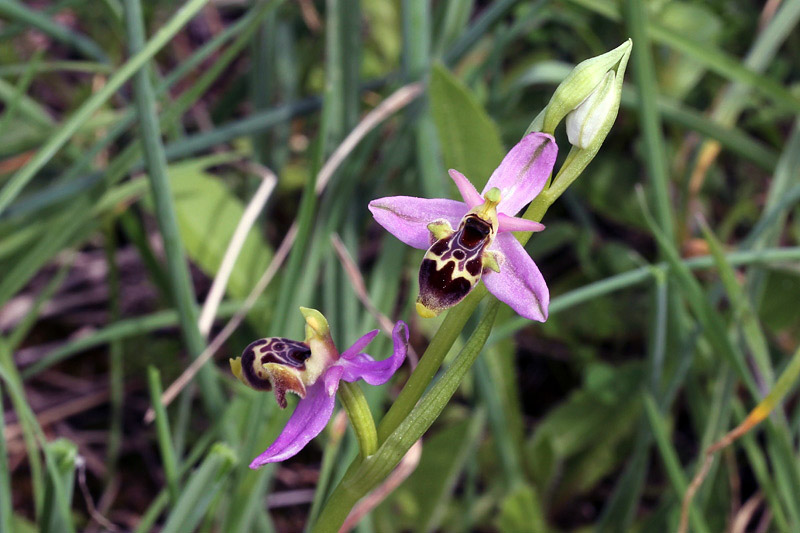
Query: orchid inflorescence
[(465, 242)]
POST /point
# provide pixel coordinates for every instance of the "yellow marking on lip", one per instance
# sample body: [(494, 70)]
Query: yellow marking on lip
[(440, 230), (457, 272), (425, 312)]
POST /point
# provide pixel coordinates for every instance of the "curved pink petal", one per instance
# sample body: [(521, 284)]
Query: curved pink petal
[(519, 282), (468, 191), (331, 378), (508, 223), (407, 217), (523, 172), (308, 420), (362, 366), (360, 344)]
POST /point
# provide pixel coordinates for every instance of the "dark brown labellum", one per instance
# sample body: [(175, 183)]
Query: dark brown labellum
[(453, 266), (271, 350)]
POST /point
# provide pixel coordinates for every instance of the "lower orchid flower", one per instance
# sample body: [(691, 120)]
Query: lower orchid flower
[(480, 246), (311, 369)]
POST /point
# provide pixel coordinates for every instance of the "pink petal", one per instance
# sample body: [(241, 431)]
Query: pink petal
[(508, 223), (362, 366), (523, 172), (519, 282), (360, 344), (468, 191), (331, 379), (308, 420), (407, 217)]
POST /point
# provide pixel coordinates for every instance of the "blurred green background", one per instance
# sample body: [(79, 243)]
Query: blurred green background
[(593, 421)]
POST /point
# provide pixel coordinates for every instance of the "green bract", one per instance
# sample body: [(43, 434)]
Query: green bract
[(582, 81)]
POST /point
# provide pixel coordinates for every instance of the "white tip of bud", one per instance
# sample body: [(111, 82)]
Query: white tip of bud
[(585, 121), (584, 79)]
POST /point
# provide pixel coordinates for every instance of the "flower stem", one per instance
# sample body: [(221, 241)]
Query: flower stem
[(536, 211), (430, 362), (361, 478), (357, 409)]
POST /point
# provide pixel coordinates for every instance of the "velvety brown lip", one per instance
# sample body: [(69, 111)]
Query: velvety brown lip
[(272, 350)]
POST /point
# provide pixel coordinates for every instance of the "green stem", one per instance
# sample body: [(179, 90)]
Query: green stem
[(362, 478), (430, 362), (12, 386), (357, 409)]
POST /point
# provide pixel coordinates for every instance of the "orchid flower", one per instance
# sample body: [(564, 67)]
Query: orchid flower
[(311, 369), (481, 246)]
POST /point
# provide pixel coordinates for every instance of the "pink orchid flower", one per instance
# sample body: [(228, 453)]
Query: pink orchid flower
[(311, 369), (481, 245)]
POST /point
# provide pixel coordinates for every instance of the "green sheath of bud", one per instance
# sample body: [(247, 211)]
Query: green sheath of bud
[(585, 121), (580, 83)]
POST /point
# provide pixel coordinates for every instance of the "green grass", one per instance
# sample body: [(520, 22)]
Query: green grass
[(130, 131)]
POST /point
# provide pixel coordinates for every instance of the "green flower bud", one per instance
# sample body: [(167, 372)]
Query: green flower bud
[(585, 122), (584, 80)]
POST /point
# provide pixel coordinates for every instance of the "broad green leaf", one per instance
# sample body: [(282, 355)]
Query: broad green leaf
[(779, 304), (207, 214), (468, 137), (521, 511)]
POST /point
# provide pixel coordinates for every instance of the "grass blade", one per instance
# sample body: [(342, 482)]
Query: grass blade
[(785, 382), (6, 505), (201, 488), (168, 458), (21, 178), (156, 162), (649, 117), (744, 313), (669, 458), (13, 10)]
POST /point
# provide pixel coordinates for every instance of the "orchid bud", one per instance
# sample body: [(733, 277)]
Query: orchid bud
[(589, 98), (587, 120), (583, 81)]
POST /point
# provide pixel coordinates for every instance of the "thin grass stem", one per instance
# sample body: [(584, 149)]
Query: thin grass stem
[(156, 162)]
